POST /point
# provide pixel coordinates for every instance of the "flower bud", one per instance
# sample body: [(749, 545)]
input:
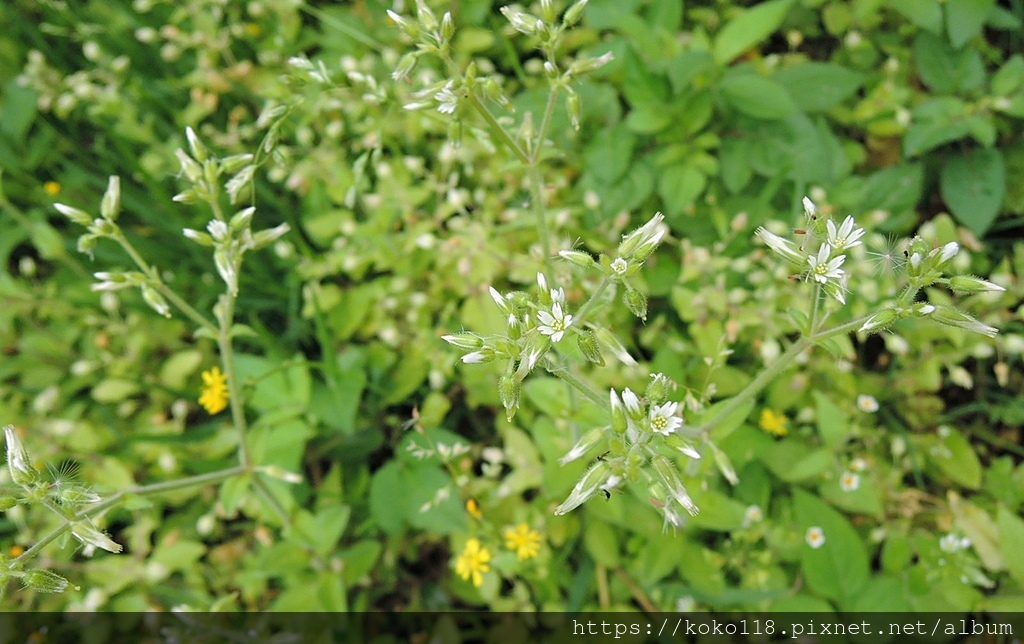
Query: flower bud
[(226, 267), (574, 109), (500, 300), (7, 502), (879, 321), (80, 217), (156, 301), (579, 258), (447, 26), (200, 238), (969, 284), (587, 65), (469, 341), (199, 151), (18, 462), (508, 391), (189, 196), (426, 17), (235, 163), (636, 302), (658, 389), (189, 166), (588, 485), (952, 317), (586, 340), (618, 413), (479, 357), (574, 13), (45, 581), (583, 445), (269, 236), (725, 465), (666, 471), (88, 534)]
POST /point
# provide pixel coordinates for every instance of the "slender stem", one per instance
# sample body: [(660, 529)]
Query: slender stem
[(164, 290), (114, 499), (234, 392), (815, 305), (774, 369), (537, 197), (264, 490), (544, 123), (583, 388), (509, 142), (580, 316)]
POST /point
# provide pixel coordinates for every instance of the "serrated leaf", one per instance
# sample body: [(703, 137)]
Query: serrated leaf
[(748, 29), (973, 185)]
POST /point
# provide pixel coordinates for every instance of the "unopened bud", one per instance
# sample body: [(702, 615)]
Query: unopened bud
[(110, 206), (583, 445), (508, 391), (588, 485), (658, 389), (589, 347), (636, 302), (447, 26), (572, 106), (405, 65), (574, 13), (579, 258), (156, 301), (879, 321), (18, 462), (7, 502), (80, 217), (189, 166), (952, 317), (969, 284), (45, 581), (199, 152), (469, 341), (587, 65)]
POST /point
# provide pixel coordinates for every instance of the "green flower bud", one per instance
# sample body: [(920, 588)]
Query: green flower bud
[(189, 196), (447, 26), (87, 243), (7, 502), (508, 391), (468, 341), (952, 317), (586, 340), (879, 321), (189, 166), (110, 206), (23, 472), (620, 423), (583, 445), (969, 284), (45, 581), (234, 163), (426, 17), (80, 217), (156, 301), (574, 13), (199, 151), (579, 258), (574, 109), (725, 465), (636, 302), (586, 487)]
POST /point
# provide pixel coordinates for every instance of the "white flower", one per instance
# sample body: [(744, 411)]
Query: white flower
[(948, 252), (867, 403), (858, 465), (847, 236), (554, 323), (663, 418), (849, 481), (809, 208), (752, 515), (476, 357), (448, 99), (631, 401), (619, 266), (542, 282), (815, 537), (822, 268), (218, 229)]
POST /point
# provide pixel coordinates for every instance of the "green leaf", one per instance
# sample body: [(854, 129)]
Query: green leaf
[(679, 185), (896, 554), (756, 96), (880, 595), (965, 18), (323, 530), (926, 14), (979, 527), (973, 185), (730, 422), (609, 154), (1009, 77), (113, 390), (749, 28), (1011, 537), (177, 369), (734, 162), (946, 70), (717, 511), (18, 110), (816, 87), (839, 568), (955, 457), (831, 421), (360, 559), (233, 491)]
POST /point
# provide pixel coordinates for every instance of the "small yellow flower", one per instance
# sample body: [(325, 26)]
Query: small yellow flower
[(252, 30), (214, 397), (15, 551), (773, 422), (473, 508), (472, 563), (51, 188), (524, 541)]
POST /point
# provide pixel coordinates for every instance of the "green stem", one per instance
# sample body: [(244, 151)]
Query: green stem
[(815, 305), (509, 142), (234, 392), (774, 369), (537, 197), (583, 388), (114, 499), (580, 316)]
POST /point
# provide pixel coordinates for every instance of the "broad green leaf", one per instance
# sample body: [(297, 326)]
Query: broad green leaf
[(973, 184), (717, 511), (748, 29), (756, 96), (896, 554), (965, 18), (1009, 77), (733, 158), (880, 595), (816, 87), (1011, 539), (18, 110), (177, 369), (360, 559), (728, 423), (838, 568), (114, 390), (685, 67), (801, 603), (926, 14), (649, 118), (322, 530), (609, 154), (946, 70), (679, 185)]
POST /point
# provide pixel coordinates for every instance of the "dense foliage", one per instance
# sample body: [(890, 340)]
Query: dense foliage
[(380, 468)]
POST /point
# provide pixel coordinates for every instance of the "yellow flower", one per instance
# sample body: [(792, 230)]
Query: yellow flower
[(473, 562), (774, 422), (524, 541), (473, 508), (51, 188), (214, 397)]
